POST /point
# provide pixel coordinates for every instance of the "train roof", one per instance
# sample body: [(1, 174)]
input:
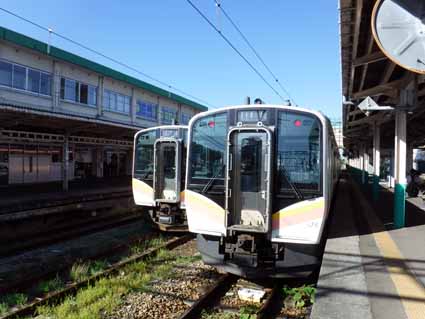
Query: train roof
[(162, 127), (320, 115)]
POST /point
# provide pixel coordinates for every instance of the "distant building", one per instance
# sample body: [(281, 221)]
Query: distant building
[(63, 117), (337, 127)]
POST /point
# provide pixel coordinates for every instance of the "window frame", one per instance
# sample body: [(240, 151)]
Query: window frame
[(25, 89), (196, 182), (168, 110), (137, 174), (78, 85), (115, 95), (147, 104), (28, 80), (50, 77), (25, 77), (11, 75), (304, 191), (183, 115)]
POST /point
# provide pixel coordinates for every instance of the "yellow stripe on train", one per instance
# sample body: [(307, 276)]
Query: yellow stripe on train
[(203, 214), (299, 223), (142, 193), (300, 208)]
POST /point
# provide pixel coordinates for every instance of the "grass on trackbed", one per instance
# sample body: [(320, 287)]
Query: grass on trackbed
[(103, 297), (80, 270)]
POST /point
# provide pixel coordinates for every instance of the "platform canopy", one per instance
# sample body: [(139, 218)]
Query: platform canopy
[(368, 72)]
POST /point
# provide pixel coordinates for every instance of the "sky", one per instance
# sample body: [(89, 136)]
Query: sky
[(168, 40)]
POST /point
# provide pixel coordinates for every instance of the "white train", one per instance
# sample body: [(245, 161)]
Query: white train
[(159, 163), (259, 186)]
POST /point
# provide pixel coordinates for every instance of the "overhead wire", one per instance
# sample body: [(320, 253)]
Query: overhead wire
[(286, 91), (125, 65), (234, 48)]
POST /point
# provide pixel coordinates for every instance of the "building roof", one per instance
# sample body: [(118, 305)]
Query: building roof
[(33, 44), (366, 71)]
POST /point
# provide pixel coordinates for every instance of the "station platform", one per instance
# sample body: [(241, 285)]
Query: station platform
[(26, 197), (370, 270)]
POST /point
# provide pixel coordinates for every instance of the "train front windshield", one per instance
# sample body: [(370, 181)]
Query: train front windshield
[(207, 157), (296, 153), (165, 146), (144, 155)]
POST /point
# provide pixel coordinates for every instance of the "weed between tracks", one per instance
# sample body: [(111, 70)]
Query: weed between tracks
[(82, 270), (97, 294), (51, 285), (300, 296), (103, 297), (217, 315), (246, 312), (10, 300), (297, 304)]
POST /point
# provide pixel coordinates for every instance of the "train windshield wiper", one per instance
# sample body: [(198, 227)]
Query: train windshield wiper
[(147, 173), (211, 181), (294, 188)]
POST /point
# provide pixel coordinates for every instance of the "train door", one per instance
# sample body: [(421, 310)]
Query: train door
[(248, 179), (167, 175)]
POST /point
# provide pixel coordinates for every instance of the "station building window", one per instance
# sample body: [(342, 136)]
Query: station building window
[(185, 118), (33, 80), (168, 115), (146, 110), (6, 73), (116, 102), (74, 91), (20, 77)]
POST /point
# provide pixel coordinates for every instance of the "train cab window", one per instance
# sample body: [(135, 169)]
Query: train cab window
[(298, 153), (250, 164), (143, 157), (169, 159), (208, 149)]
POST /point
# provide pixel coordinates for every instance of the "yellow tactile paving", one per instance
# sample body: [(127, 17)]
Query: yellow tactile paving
[(406, 284), (411, 292)]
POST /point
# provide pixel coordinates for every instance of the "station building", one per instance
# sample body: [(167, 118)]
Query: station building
[(63, 117)]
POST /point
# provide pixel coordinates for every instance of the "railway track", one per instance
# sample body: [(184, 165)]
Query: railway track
[(195, 290), (53, 206), (270, 307), (71, 289), (187, 289), (74, 230), (28, 281)]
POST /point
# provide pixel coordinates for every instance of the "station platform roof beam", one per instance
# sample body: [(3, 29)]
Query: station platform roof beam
[(372, 71)]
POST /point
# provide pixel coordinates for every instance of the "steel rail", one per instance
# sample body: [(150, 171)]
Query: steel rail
[(270, 308), (211, 297), (72, 289), (65, 233), (56, 205), (115, 249), (273, 304)]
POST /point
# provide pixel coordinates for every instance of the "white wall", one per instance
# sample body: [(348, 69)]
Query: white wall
[(44, 63)]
